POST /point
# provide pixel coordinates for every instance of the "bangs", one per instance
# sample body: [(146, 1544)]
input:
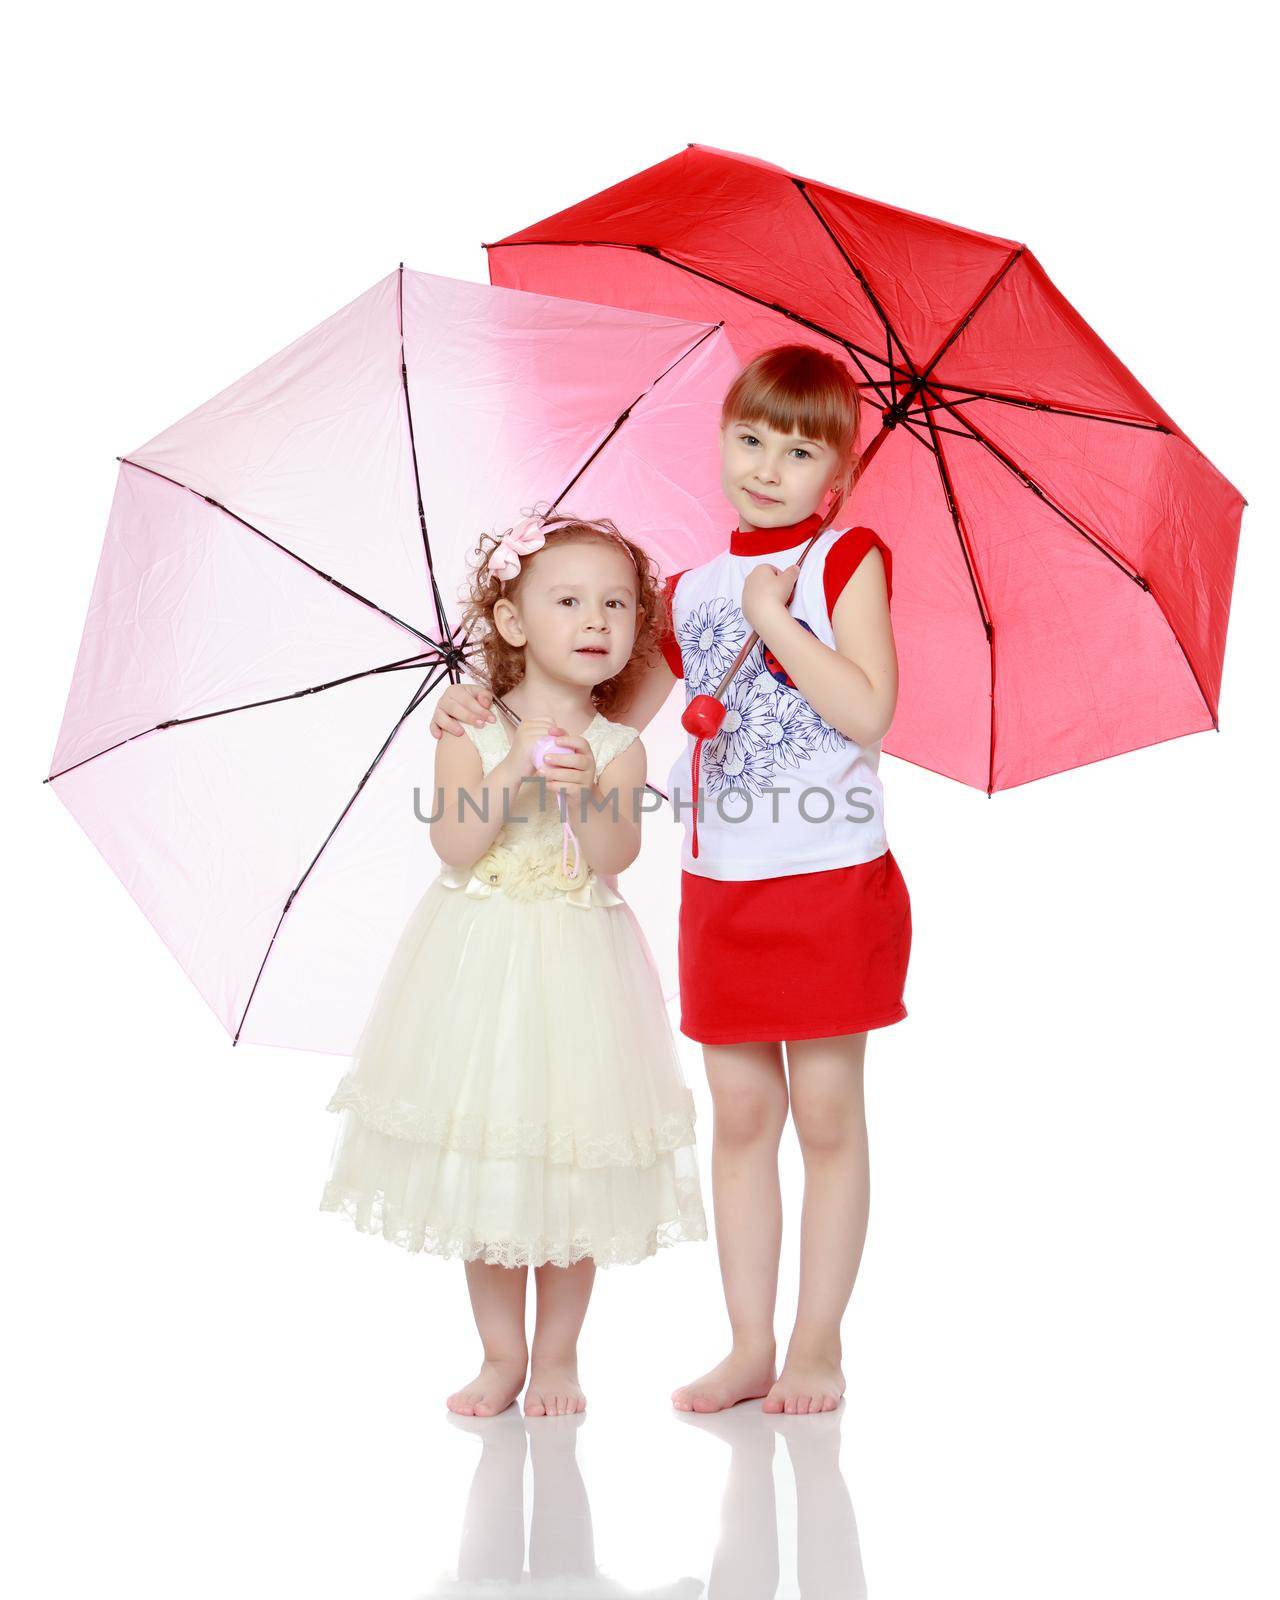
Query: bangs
[(797, 389)]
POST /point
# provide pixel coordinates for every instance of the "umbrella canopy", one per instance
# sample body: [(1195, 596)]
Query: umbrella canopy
[(246, 736), (1063, 554)]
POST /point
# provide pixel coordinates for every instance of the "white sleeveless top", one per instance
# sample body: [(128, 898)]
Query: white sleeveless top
[(782, 792)]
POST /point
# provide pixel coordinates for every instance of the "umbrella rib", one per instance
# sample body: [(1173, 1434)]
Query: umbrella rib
[(1007, 399), (653, 383), (1010, 262), (916, 434), (855, 352), (1043, 405), (891, 333), (891, 338), (423, 689), (983, 610), (1042, 494), (413, 451), (284, 549), (407, 664), (1028, 482)]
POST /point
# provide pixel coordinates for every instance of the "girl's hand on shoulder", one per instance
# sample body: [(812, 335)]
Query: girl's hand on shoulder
[(765, 592), (461, 702)]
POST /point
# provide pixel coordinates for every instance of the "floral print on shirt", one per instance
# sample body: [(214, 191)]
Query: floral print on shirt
[(769, 727)]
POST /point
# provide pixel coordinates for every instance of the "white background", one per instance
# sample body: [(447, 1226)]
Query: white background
[(1061, 1347)]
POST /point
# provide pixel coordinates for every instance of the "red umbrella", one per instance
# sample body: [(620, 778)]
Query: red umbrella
[(1063, 554)]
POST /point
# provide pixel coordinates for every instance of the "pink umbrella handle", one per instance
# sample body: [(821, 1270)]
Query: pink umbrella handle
[(568, 834)]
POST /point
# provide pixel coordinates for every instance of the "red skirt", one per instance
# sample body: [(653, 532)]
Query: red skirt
[(810, 956)]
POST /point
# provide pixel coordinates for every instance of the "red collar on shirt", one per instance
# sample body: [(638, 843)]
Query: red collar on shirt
[(764, 541)]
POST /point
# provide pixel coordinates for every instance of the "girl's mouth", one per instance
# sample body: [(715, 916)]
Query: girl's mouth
[(761, 499), (591, 650)]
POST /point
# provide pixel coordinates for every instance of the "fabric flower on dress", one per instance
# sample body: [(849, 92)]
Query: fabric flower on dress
[(497, 866), (565, 880)]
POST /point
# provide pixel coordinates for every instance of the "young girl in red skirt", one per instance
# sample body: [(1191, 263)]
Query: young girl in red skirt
[(795, 921)]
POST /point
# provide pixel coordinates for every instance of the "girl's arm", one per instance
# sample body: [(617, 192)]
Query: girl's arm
[(465, 829), (647, 698), (611, 843), (853, 688), (471, 702)]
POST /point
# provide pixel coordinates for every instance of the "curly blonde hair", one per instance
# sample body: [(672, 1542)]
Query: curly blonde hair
[(500, 666)]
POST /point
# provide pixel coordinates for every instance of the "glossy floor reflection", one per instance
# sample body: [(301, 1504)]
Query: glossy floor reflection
[(558, 1558)]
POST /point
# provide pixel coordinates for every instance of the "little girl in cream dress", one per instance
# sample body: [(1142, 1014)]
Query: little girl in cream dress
[(516, 1098)]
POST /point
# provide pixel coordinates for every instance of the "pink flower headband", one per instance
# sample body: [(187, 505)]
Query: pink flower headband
[(504, 561), (530, 535)]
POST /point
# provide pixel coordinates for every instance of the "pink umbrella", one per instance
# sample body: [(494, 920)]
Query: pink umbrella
[(277, 597), (1063, 555)]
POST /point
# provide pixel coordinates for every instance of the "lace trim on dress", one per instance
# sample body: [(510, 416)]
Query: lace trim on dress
[(373, 1216), (632, 1148)]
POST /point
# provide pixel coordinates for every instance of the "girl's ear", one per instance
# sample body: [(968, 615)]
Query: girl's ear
[(507, 622)]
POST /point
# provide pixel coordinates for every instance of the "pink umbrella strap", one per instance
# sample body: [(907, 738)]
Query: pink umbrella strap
[(568, 834)]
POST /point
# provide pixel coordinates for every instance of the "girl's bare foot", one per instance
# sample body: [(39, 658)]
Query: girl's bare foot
[(745, 1374), (809, 1383), (553, 1389), (491, 1391)]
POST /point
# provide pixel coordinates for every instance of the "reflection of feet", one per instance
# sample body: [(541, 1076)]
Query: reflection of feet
[(817, 1438), (742, 1375), (491, 1391), (747, 1433), (808, 1384), (553, 1390)]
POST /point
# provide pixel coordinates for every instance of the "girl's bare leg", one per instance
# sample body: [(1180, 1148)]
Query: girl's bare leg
[(828, 1109), (563, 1294), (497, 1303), (749, 1097)]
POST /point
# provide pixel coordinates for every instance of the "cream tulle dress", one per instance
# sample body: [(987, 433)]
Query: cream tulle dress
[(515, 1095)]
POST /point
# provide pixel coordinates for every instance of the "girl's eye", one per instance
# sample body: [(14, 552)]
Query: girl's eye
[(750, 438)]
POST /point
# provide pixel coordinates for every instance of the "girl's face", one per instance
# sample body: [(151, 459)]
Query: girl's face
[(773, 479), (576, 613)]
